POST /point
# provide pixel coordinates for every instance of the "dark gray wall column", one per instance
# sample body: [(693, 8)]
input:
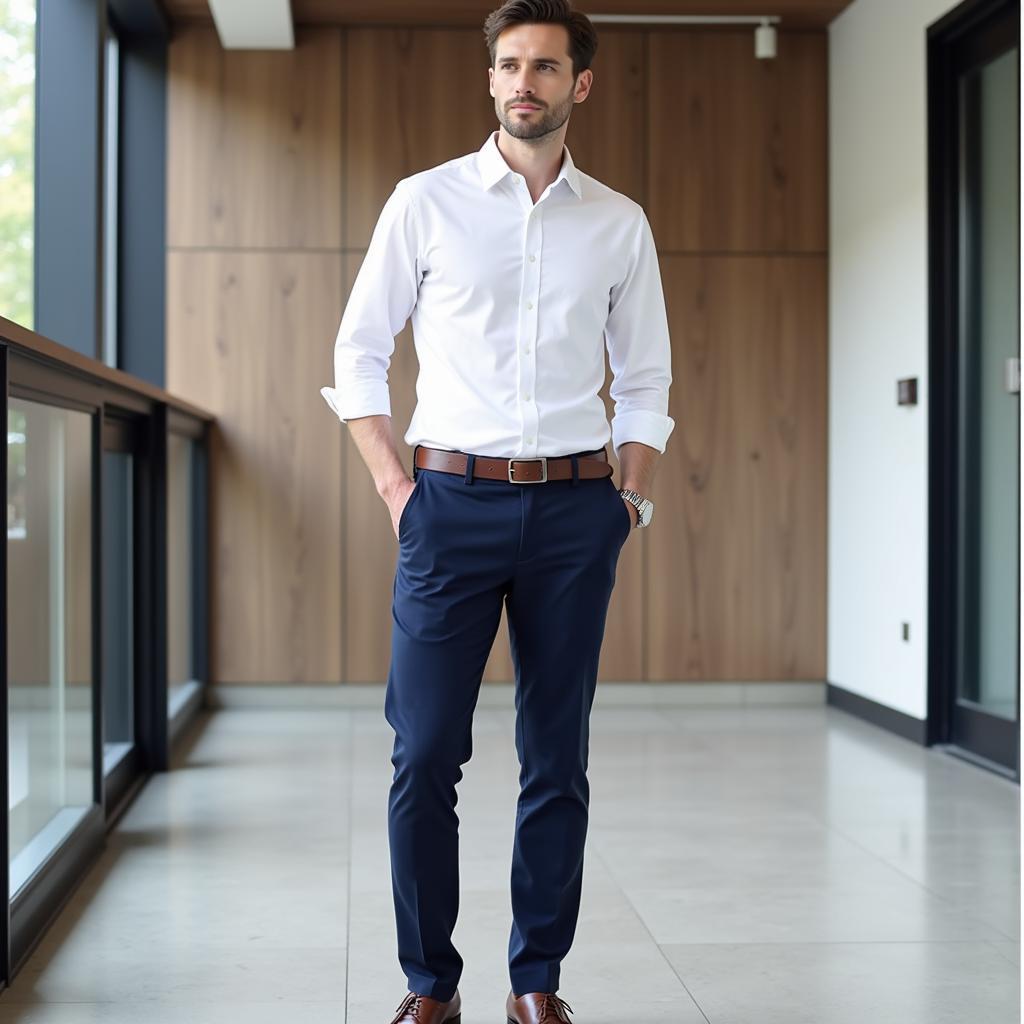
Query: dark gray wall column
[(141, 288), (68, 176)]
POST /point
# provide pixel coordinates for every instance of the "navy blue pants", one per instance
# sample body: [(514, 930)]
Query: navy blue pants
[(549, 552)]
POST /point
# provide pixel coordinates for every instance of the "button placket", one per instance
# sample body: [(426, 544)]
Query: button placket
[(529, 301)]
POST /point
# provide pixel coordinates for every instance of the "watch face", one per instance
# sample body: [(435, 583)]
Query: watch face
[(646, 512)]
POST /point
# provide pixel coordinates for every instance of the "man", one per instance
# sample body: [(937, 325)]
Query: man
[(517, 270)]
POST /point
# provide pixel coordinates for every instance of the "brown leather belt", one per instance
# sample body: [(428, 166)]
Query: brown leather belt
[(591, 465)]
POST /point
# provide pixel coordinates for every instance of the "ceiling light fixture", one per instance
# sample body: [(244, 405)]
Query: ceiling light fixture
[(764, 34)]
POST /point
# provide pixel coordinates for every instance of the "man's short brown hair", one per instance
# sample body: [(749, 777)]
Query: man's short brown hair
[(582, 37)]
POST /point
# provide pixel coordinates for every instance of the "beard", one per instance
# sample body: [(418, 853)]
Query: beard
[(540, 123)]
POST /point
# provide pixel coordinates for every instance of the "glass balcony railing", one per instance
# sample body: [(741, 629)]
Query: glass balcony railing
[(104, 609)]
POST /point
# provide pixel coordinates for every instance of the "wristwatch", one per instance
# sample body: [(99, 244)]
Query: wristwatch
[(643, 505)]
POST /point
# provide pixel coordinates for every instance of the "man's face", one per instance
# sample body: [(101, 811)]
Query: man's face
[(532, 81)]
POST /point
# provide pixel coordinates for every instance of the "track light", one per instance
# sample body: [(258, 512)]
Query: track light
[(764, 40), (764, 34)]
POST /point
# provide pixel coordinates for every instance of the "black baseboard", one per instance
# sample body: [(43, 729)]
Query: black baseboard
[(910, 728)]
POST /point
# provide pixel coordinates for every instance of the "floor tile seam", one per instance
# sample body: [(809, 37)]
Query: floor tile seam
[(1007, 958), (838, 942), (350, 802), (643, 924), (829, 826)]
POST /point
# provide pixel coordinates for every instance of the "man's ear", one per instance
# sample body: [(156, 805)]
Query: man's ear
[(583, 83), (490, 80)]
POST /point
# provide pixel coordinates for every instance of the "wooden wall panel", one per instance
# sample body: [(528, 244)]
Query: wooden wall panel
[(430, 105), (607, 131), (255, 143), (608, 140), (406, 122), (739, 589), (726, 153), (245, 339), (738, 146), (401, 126)]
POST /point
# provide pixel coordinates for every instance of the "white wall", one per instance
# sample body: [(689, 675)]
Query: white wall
[(878, 450)]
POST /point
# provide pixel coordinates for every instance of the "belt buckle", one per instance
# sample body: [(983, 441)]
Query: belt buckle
[(542, 459)]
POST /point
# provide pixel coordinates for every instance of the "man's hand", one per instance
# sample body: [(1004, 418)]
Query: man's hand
[(396, 499), (372, 436), (634, 512), (637, 462)]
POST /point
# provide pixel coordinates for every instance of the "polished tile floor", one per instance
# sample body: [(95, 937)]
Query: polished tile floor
[(745, 865)]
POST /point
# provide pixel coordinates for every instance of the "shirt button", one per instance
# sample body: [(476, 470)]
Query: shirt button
[(529, 305), (529, 440), (527, 397), (527, 349), (533, 259)]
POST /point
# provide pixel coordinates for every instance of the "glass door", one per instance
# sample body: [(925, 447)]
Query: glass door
[(988, 673), (974, 466)]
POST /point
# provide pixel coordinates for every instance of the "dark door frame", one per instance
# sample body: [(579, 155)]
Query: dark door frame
[(971, 33)]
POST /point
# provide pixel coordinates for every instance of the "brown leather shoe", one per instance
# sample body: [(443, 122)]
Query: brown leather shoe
[(534, 1007), (417, 1009)]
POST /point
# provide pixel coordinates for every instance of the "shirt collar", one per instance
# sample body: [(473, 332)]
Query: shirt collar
[(493, 167)]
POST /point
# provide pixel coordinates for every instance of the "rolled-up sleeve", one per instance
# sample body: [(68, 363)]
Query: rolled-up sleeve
[(636, 335), (382, 299)]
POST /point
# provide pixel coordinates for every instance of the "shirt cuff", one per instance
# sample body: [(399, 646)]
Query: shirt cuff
[(650, 428), (371, 400)]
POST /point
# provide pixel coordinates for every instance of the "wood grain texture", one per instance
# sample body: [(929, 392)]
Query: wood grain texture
[(739, 589), (431, 105), (738, 146), (728, 159), (405, 122), (23, 340), (802, 13), (384, 132), (245, 336), (255, 143), (607, 131)]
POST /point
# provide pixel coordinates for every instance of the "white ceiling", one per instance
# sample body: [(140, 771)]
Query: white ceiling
[(254, 24)]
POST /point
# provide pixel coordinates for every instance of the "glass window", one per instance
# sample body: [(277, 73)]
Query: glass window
[(180, 596), (17, 155), (49, 628), (110, 200), (989, 518), (118, 607)]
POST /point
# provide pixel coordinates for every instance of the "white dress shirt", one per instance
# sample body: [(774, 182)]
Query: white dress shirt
[(511, 303)]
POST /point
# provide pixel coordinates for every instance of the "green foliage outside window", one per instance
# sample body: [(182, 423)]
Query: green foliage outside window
[(17, 130)]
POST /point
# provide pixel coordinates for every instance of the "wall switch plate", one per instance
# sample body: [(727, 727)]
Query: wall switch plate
[(906, 391)]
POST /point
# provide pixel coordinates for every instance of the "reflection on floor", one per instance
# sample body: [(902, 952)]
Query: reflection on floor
[(748, 865)]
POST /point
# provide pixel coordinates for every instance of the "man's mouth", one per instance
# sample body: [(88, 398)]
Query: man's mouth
[(524, 106)]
